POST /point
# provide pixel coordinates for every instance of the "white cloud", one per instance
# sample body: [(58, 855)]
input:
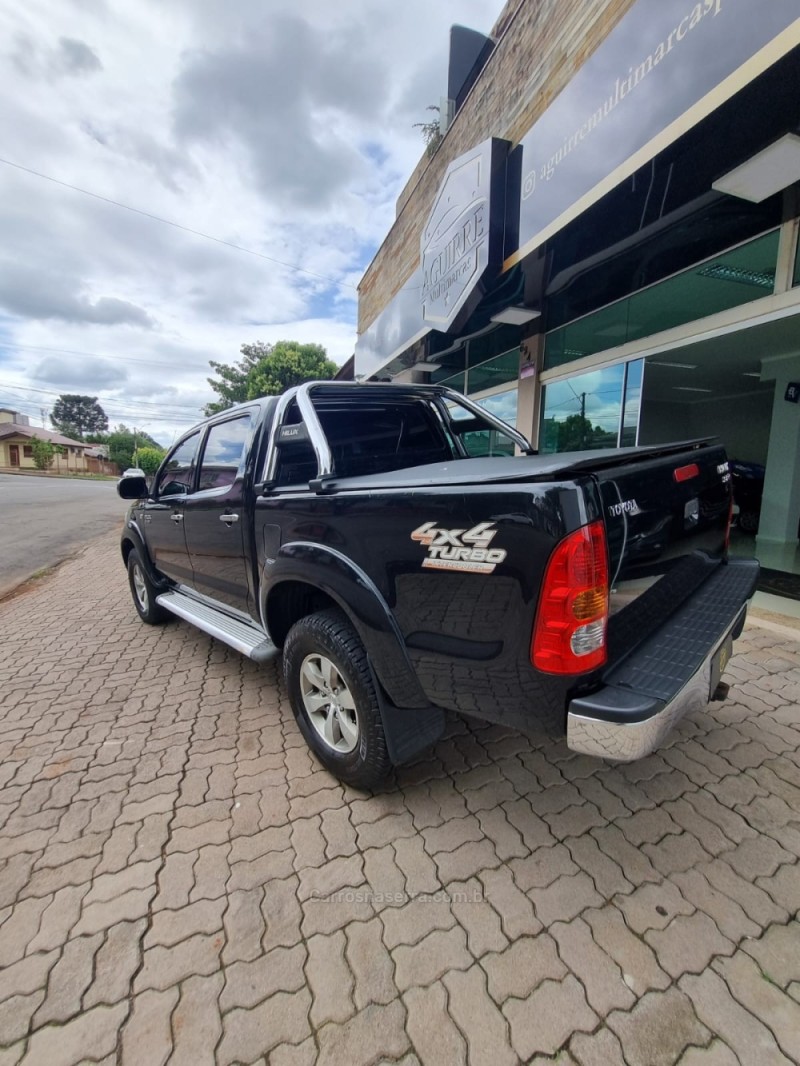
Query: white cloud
[(285, 128)]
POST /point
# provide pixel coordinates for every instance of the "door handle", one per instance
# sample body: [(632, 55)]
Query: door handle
[(229, 519), (177, 518)]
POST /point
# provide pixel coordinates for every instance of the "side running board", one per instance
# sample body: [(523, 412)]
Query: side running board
[(248, 639)]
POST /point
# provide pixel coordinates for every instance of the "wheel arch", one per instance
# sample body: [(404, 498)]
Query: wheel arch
[(132, 538), (290, 600), (305, 578)]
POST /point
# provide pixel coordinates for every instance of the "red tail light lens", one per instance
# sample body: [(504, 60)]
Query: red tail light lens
[(570, 632), (686, 473)]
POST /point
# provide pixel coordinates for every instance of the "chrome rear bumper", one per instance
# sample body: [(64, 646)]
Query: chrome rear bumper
[(674, 673), (627, 741)]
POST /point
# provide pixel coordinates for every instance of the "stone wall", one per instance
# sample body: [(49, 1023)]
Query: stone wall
[(542, 44)]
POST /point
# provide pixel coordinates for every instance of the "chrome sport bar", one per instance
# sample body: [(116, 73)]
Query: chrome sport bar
[(316, 434), (521, 441)]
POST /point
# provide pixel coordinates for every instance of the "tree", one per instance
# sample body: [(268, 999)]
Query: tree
[(43, 453), (289, 364), (233, 377), (148, 459), (574, 434), (122, 443), (267, 370), (431, 131), (74, 415)]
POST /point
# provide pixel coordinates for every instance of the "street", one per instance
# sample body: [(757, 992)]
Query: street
[(45, 519), (179, 880)]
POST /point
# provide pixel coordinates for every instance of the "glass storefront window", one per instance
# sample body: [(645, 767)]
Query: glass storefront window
[(583, 412), (457, 382), (491, 442), (489, 345), (494, 372), (501, 404), (599, 409), (736, 277), (629, 434), (481, 363)]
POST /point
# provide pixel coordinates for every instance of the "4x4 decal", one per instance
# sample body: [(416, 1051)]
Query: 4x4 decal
[(459, 549)]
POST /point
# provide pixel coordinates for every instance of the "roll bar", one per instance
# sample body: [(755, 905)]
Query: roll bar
[(316, 434)]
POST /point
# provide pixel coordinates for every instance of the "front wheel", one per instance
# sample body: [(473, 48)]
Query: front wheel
[(143, 592), (333, 698)]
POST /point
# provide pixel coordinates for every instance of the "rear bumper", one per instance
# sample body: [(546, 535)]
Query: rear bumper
[(672, 674)]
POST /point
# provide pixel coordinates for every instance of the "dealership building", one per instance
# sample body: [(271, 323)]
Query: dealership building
[(602, 247)]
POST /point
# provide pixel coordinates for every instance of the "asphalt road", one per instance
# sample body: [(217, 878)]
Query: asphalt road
[(43, 520)]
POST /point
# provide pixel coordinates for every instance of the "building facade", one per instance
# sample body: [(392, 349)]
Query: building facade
[(16, 448), (603, 248)]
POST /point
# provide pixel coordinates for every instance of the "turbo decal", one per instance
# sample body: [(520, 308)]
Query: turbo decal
[(459, 549)]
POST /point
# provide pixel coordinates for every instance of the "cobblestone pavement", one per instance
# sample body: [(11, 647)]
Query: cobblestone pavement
[(180, 882)]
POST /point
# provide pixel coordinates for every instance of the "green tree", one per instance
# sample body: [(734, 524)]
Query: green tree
[(231, 386), (574, 434), (148, 459), (289, 363), (267, 370), (43, 453), (75, 415), (122, 443), (431, 131)]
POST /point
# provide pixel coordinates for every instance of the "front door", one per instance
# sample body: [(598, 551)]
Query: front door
[(164, 512), (13, 452), (215, 515)]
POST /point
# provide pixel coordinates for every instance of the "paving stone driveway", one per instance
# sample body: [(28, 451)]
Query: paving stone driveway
[(180, 882)]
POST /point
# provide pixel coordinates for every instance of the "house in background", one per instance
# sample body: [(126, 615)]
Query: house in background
[(16, 446)]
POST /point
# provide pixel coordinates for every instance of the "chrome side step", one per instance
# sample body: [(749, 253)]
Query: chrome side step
[(248, 639)]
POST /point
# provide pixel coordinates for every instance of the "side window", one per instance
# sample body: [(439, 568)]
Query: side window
[(481, 442), (297, 461), (478, 437), (224, 452), (176, 476), (374, 438)]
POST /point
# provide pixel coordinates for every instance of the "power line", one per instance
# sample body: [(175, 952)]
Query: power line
[(92, 355), (122, 409), (176, 225), (110, 400)]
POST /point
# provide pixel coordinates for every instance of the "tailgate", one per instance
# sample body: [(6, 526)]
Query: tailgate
[(666, 522)]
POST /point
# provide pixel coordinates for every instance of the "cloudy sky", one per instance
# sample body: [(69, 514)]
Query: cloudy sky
[(282, 126)]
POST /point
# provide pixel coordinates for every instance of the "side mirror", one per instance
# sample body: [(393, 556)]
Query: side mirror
[(133, 487)]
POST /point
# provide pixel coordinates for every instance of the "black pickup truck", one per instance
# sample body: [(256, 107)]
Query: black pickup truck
[(409, 553)]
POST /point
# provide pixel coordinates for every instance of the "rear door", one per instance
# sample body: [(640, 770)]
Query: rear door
[(215, 515), (164, 512)]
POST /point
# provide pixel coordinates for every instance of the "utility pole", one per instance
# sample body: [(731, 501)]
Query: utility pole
[(583, 420)]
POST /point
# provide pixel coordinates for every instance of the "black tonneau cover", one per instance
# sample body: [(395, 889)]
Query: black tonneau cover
[(504, 468)]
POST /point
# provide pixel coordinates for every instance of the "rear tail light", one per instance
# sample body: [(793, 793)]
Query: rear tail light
[(570, 632)]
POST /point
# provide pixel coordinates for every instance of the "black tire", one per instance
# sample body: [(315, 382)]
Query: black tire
[(143, 592), (329, 636), (748, 521)]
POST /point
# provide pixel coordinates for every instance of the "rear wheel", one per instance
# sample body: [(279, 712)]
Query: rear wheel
[(333, 697), (144, 592)]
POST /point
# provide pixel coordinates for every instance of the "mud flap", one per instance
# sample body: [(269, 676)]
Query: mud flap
[(409, 730)]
